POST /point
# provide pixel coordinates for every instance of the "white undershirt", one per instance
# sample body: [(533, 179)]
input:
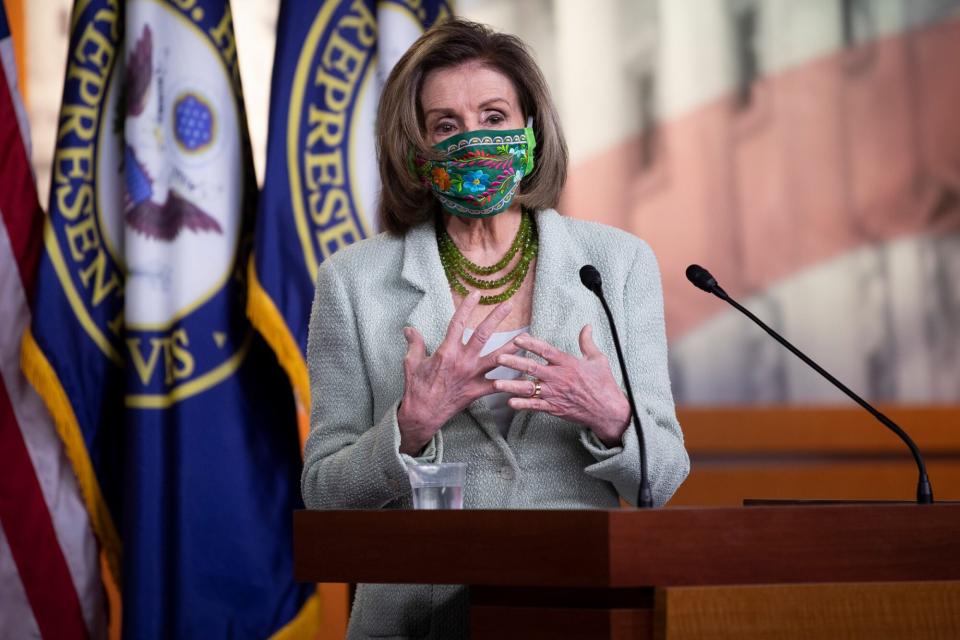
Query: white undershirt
[(497, 402)]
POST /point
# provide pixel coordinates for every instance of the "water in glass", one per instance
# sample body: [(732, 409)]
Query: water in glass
[(438, 497)]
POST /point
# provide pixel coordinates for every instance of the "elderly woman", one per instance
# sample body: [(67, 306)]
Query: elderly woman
[(506, 359)]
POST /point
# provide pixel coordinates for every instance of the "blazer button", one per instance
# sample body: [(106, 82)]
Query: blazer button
[(506, 473)]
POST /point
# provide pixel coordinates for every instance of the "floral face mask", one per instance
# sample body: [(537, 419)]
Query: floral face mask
[(481, 172)]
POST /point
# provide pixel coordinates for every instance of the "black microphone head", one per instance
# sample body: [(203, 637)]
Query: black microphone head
[(701, 278), (590, 278)]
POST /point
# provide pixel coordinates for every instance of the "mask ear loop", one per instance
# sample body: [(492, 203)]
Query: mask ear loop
[(529, 122)]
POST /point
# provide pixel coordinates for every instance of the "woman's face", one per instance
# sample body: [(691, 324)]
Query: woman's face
[(467, 97)]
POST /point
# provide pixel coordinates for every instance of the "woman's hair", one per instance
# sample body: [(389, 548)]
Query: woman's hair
[(404, 200)]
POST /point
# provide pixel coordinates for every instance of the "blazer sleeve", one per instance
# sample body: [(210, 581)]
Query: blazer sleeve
[(644, 341), (351, 458)]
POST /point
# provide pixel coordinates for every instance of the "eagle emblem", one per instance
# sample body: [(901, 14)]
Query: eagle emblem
[(193, 128)]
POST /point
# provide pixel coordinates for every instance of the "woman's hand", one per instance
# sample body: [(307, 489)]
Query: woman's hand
[(578, 389), (438, 387)]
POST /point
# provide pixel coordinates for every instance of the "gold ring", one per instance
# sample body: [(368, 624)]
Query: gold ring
[(536, 389)]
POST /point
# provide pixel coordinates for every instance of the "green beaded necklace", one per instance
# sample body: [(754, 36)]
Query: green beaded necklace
[(458, 268)]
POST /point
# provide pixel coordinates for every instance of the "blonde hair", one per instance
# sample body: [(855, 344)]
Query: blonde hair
[(404, 201)]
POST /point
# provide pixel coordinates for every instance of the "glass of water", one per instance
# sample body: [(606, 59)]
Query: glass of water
[(437, 486)]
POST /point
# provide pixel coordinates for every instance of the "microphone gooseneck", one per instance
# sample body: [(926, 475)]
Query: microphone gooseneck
[(591, 279), (702, 279)]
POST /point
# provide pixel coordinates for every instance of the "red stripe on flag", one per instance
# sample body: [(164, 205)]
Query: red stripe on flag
[(31, 536), (19, 205)]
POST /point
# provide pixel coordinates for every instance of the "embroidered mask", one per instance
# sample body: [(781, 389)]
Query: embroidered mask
[(481, 172)]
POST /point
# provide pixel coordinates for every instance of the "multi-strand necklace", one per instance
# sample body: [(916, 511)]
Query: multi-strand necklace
[(460, 270)]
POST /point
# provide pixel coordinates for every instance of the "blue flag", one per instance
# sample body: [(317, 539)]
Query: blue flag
[(175, 416), (321, 180)]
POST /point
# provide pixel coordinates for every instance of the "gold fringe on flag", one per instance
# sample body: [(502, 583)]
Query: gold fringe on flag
[(268, 320)]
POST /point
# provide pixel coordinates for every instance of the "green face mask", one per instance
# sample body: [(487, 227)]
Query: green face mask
[(481, 172)]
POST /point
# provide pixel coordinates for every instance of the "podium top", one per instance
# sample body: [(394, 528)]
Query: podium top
[(631, 548)]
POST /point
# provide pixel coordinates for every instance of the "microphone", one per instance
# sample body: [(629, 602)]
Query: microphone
[(702, 279), (591, 279)]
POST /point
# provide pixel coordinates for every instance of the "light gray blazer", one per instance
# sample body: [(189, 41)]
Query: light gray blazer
[(368, 292)]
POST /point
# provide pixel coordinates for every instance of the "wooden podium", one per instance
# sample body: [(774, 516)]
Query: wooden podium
[(884, 570)]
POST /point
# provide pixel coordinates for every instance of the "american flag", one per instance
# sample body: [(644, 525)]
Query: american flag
[(49, 568)]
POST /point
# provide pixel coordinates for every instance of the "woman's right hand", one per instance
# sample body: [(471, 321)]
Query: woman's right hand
[(440, 386)]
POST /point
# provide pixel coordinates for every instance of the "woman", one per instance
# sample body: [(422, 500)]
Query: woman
[(506, 363)]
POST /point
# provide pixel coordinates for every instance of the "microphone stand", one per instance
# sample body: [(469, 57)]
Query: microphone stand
[(644, 496), (924, 490)]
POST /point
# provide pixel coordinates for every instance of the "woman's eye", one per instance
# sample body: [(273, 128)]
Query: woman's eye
[(494, 118), (444, 127)]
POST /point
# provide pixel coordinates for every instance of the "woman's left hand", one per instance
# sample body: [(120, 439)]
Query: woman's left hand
[(578, 389)]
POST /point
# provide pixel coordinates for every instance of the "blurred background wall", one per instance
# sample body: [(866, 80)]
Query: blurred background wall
[(807, 152)]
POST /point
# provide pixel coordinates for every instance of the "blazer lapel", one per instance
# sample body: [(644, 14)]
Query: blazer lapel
[(422, 269), (432, 314), (561, 304)]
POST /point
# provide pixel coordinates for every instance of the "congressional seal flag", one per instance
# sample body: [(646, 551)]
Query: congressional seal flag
[(321, 182), (175, 415)]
